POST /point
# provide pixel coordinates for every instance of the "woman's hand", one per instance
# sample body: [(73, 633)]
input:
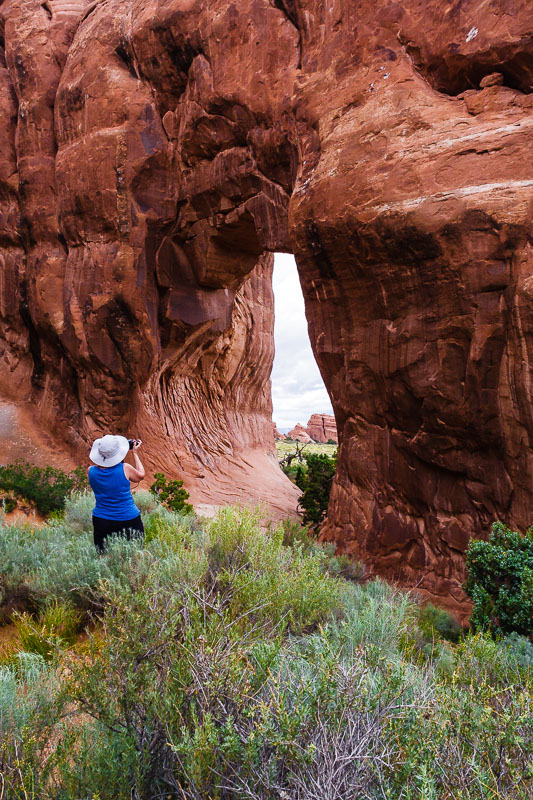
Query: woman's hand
[(138, 443)]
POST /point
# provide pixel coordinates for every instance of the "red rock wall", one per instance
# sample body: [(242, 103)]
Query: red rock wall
[(136, 284), (412, 229), (151, 153), (277, 435)]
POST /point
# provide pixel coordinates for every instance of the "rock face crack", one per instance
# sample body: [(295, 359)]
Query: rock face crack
[(156, 154)]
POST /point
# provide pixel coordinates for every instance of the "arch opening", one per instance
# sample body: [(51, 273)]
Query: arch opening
[(298, 390)]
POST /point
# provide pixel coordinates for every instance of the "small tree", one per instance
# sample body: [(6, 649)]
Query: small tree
[(315, 483), (298, 455), (171, 494), (500, 581)]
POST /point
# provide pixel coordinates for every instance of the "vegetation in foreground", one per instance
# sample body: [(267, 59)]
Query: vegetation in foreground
[(171, 494), (230, 660), (45, 488)]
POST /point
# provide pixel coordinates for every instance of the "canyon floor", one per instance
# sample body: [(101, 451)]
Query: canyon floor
[(22, 438)]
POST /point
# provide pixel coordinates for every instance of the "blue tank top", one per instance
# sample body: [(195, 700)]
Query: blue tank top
[(113, 493)]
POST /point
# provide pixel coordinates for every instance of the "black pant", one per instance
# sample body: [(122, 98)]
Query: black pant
[(130, 528)]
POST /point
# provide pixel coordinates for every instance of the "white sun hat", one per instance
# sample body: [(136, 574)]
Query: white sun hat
[(109, 450)]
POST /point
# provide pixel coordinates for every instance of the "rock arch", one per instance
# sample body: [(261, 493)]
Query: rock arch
[(158, 152)]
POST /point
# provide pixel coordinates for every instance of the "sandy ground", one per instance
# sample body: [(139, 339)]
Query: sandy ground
[(8, 633), (21, 438), (20, 517)]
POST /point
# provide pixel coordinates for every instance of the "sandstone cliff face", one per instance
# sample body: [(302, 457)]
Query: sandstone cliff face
[(135, 289), (155, 152), (320, 428), (412, 230)]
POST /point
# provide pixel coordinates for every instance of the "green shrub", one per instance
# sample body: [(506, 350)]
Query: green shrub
[(9, 504), (46, 487), (297, 535), (500, 581), (289, 586), (59, 561), (51, 562), (55, 628), (438, 621), (346, 567), (29, 709), (146, 502), (206, 704), (169, 527), (291, 471), (315, 483), (78, 512), (171, 494), (518, 648)]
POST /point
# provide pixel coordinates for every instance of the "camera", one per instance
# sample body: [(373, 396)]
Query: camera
[(131, 442)]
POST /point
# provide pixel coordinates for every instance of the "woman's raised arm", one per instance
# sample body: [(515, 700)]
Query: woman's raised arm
[(136, 473)]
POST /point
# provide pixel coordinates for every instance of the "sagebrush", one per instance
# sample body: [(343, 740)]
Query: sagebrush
[(229, 659)]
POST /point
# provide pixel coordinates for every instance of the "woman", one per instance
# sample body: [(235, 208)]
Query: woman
[(111, 479)]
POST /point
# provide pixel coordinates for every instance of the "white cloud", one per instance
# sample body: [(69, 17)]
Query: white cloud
[(297, 387)]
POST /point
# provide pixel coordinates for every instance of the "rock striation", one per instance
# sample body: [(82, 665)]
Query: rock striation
[(135, 225), (155, 154)]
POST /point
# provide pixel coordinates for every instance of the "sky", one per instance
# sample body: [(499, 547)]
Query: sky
[(297, 387)]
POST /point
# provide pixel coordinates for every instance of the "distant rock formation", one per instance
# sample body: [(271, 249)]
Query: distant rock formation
[(322, 428), (277, 435), (299, 434)]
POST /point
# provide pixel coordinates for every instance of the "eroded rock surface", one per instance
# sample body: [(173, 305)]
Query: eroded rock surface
[(154, 152), (136, 222), (412, 230)]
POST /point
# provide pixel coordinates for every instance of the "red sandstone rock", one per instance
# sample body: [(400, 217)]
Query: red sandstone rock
[(299, 434), (411, 233), (152, 152), (322, 428), (134, 293), (277, 435)]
